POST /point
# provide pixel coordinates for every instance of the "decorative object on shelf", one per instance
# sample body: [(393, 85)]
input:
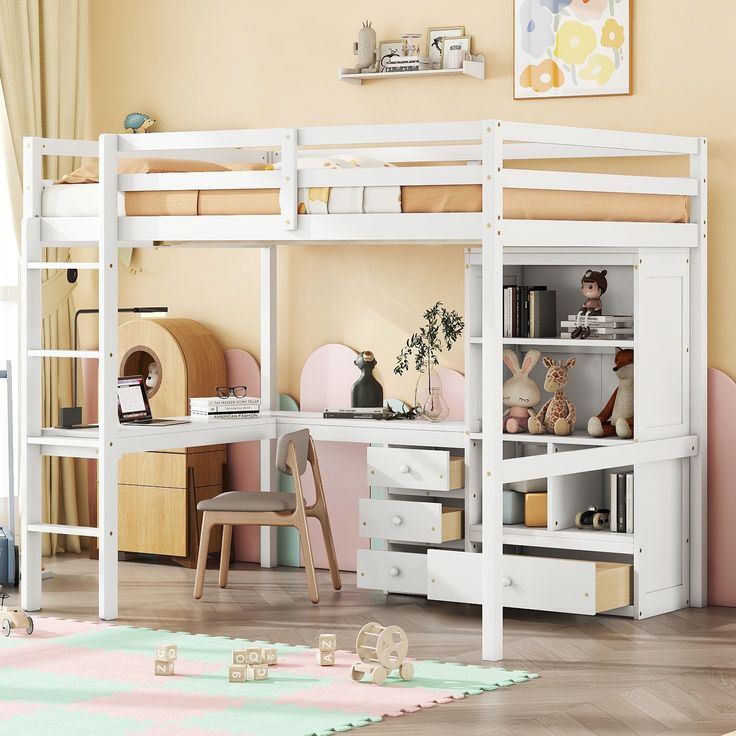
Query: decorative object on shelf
[(535, 509), (411, 43), (153, 377), (617, 416), (137, 122), (407, 64), (388, 50), (365, 47), (13, 618), (600, 327), (454, 51), (592, 518), (520, 392), (366, 391), (435, 37), (593, 286), (513, 507), (381, 649), (557, 416), (442, 326), (572, 48), (621, 484)]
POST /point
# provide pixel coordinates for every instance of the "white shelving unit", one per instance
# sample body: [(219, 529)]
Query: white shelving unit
[(475, 69)]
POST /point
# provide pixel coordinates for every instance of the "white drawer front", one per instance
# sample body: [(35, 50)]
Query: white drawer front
[(548, 584), (397, 572), (409, 468), (409, 521), (454, 576)]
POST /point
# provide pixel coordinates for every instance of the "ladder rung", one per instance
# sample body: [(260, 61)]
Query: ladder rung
[(63, 353), (62, 265), (80, 531)]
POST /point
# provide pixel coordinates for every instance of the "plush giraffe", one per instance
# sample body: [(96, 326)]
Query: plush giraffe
[(557, 416)]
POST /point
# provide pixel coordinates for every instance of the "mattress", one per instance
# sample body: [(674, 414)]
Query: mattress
[(81, 200)]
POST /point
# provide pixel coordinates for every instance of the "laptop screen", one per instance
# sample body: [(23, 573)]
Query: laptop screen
[(132, 399)]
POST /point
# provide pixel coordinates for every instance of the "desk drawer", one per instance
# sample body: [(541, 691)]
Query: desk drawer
[(397, 572), (398, 467), (409, 521), (566, 586), (454, 576)]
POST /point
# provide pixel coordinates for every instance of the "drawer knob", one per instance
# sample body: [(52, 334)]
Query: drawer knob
[(394, 572), (506, 582), (405, 468), (397, 521)]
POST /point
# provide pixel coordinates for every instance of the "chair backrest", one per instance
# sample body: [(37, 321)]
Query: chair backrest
[(300, 440)]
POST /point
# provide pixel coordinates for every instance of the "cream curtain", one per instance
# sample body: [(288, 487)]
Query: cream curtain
[(43, 74)]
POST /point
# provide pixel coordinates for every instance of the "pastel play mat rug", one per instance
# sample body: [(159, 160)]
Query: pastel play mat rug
[(89, 679)]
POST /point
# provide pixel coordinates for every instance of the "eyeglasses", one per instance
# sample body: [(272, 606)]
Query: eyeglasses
[(225, 391)]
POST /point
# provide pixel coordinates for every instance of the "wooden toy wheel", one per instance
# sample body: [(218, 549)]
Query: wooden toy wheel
[(406, 671), (356, 674), (29, 626), (600, 521), (6, 627), (379, 674), (392, 647), (578, 519)]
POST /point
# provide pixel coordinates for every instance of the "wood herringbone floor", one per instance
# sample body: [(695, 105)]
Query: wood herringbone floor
[(602, 675)]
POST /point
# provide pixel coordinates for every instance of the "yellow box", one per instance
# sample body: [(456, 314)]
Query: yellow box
[(535, 509)]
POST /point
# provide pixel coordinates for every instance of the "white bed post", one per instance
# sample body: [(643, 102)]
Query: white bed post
[(30, 378), (492, 369), (107, 463), (269, 395), (699, 381)]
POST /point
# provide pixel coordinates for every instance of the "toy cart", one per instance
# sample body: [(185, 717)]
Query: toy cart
[(13, 618), (381, 650)]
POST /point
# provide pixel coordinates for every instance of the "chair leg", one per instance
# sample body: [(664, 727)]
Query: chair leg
[(227, 536), (204, 545), (324, 522), (306, 546)]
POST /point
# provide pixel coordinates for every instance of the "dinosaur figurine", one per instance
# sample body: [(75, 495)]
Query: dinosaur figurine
[(137, 122), (557, 416)]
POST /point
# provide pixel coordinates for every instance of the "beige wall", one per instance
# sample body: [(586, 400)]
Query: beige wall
[(236, 63)]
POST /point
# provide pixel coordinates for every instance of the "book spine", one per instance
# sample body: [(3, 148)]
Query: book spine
[(237, 412), (613, 490), (506, 310), (225, 417), (621, 502), (342, 415), (525, 311), (517, 311), (629, 503), (532, 313), (201, 403)]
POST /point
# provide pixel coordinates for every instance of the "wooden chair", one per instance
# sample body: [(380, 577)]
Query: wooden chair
[(272, 508)]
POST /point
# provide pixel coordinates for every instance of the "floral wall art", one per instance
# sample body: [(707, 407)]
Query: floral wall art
[(572, 48)]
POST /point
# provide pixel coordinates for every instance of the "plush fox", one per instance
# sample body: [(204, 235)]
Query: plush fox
[(617, 416)]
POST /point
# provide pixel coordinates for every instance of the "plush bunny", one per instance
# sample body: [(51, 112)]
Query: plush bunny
[(520, 393)]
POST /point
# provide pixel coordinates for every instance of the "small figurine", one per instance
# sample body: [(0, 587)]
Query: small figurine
[(520, 393), (557, 416), (152, 378), (381, 649), (13, 618), (592, 286), (137, 122), (365, 47), (617, 416), (366, 392)]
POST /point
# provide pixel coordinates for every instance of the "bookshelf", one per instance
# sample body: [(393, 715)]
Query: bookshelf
[(474, 69)]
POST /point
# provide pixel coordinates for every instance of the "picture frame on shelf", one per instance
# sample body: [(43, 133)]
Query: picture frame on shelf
[(435, 37), (447, 41), (572, 48), (388, 48)]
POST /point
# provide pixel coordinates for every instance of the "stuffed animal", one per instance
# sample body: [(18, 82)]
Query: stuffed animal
[(152, 378), (558, 414), (617, 416), (520, 393), (138, 122)]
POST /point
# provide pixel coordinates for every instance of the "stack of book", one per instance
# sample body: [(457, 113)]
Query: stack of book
[(213, 408), (371, 412), (407, 64), (529, 311), (622, 501), (602, 326)]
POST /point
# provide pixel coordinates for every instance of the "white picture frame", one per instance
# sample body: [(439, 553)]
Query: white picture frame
[(385, 47), (434, 42), (447, 41)]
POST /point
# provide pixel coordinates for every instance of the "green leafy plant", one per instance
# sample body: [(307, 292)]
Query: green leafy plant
[(442, 327)]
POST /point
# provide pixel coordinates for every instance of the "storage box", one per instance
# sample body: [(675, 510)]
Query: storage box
[(513, 507), (535, 509)]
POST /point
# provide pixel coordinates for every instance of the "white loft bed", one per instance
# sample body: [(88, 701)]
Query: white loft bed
[(472, 153)]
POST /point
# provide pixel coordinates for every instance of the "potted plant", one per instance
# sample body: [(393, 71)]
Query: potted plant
[(441, 330)]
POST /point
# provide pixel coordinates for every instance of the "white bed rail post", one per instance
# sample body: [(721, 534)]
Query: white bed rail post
[(31, 339), (492, 387), (288, 194), (108, 454), (699, 381)]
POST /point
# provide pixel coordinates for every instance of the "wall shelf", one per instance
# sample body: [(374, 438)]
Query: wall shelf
[(562, 345), (475, 69)]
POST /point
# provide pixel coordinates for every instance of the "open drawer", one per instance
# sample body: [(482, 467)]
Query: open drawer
[(407, 467), (566, 586), (409, 521)]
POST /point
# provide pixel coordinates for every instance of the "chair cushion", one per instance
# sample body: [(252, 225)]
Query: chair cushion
[(249, 501)]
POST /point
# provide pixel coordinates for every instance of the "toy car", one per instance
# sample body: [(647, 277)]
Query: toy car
[(381, 650), (13, 618)]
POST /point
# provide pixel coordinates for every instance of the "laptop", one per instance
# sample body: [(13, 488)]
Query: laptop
[(133, 406)]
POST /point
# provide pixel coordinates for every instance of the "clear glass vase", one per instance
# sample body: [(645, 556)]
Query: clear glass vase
[(435, 408), (426, 381)]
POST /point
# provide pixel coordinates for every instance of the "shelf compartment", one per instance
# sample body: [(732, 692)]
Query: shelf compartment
[(589, 540), (578, 437), (563, 345)]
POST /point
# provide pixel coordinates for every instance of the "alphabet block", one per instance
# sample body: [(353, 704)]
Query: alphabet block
[(325, 658), (240, 657), (327, 642), (269, 655), (254, 655), (238, 673), (163, 667), (258, 672), (166, 653)]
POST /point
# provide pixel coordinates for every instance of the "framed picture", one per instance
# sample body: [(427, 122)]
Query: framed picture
[(388, 49), (447, 42), (434, 42), (572, 48)]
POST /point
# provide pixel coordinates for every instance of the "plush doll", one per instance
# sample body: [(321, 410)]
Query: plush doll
[(593, 286), (152, 378), (557, 416), (617, 416), (520, 393)]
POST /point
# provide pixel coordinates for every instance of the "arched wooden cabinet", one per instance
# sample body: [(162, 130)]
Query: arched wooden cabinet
[(159, 491)]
